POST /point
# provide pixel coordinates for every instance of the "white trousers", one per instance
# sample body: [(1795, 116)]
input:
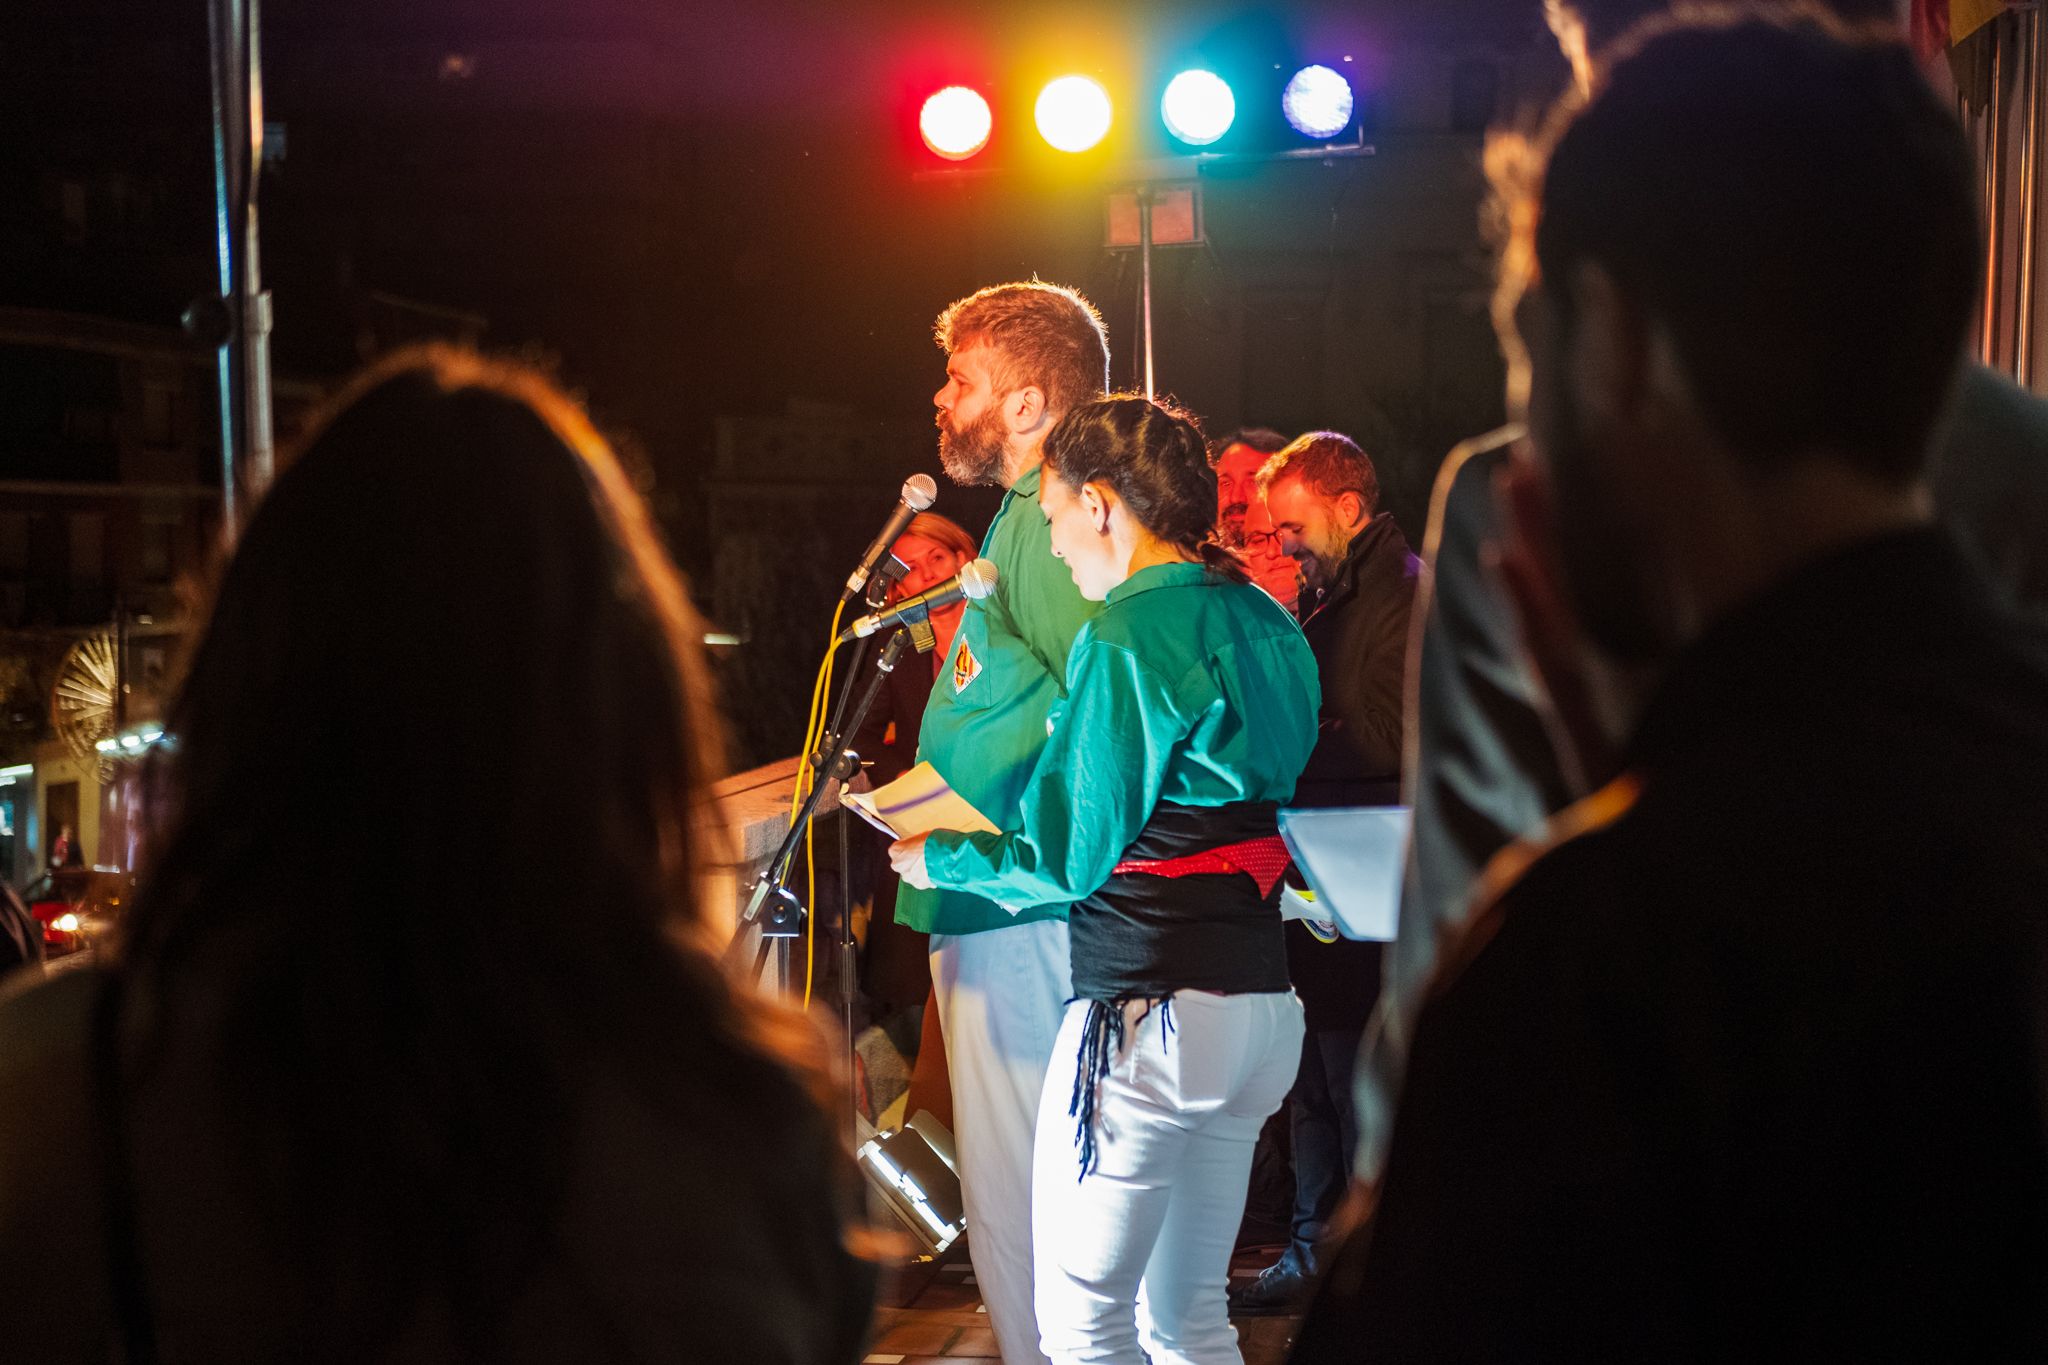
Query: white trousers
[(1134, 1258), (1000, 995)]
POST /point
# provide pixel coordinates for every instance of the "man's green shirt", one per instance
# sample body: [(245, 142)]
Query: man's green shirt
[(986, 722), (1187, 688)]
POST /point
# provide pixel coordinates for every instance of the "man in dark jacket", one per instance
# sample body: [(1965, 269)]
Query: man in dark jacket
[(1485, 769), (1743, 1056), (1360, 581)]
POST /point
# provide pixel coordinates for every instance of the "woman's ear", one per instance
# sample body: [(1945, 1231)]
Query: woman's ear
[(1097, 501)]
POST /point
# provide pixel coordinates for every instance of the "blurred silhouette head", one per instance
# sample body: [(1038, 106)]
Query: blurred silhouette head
[(1586, 29), (1740, 266), (435, 781)]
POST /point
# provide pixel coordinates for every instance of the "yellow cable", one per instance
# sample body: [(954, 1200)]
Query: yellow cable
[(813, 720), (821, 695)]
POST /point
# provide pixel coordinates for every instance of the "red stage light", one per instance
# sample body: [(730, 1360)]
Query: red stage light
[(956, 122)]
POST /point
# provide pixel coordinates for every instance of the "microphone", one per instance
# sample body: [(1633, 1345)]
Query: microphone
[(976, 580), (919, 492)]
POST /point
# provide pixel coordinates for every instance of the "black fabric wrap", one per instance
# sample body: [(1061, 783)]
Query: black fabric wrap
[(1143, 937)]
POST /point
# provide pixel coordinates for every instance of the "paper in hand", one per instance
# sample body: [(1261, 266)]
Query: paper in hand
[(917, 803), (1352, 857)]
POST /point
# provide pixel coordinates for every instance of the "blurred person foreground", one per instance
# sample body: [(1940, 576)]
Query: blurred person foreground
[(499, 1115), (1652, 1106)]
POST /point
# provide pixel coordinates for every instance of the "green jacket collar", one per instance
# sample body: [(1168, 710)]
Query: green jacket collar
[(1158, 576), (1027, 482)]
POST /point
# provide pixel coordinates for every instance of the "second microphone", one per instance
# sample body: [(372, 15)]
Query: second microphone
[(976, 580)]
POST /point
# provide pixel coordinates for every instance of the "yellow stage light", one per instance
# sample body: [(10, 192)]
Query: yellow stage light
[(1073, 113)]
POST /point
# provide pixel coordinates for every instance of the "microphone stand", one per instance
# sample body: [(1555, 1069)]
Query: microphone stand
[(773, 906)]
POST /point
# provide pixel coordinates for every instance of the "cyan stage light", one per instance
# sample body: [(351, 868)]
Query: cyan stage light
[(1198, 107)]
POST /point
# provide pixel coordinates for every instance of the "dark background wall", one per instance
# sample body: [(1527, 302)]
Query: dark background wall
[(712, 224)]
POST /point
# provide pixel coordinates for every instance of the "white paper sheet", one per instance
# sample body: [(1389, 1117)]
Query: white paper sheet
[(916, 803), (1352, 856)]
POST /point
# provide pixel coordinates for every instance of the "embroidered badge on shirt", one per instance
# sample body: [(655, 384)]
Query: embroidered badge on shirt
[(966, 668)]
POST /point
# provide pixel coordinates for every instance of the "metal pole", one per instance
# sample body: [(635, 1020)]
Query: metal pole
[(243, 361), (849, 970), (221, 52), (2030, 204), (1145, 279), (254, 303)]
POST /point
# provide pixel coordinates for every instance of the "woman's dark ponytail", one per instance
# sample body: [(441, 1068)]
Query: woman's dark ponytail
[(1220, 558), (1153, 455)]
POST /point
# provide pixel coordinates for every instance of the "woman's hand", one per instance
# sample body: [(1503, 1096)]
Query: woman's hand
[(907, 857)]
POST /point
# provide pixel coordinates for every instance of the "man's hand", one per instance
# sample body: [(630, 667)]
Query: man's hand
[(907, 857)]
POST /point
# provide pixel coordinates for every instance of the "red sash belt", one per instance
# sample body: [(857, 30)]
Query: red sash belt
[(1262, 859)]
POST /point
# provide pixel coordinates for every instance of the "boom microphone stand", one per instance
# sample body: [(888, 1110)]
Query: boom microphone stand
[(773, 906), (773, 909)]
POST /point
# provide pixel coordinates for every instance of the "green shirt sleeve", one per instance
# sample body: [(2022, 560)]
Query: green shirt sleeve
[(1094, 786), (985, 725)]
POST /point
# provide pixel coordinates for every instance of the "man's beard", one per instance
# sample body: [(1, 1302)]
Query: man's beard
[(973, 455), (1320, 563), (1319, 571), (1231, 523)]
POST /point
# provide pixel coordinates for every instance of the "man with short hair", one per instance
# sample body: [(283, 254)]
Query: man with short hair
[(1018, 357), (1359, 581), (1242, 521), (1237, 459), (1323, 495), (1743, 1056)]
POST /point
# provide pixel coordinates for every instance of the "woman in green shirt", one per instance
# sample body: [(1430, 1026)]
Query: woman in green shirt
[(1190, 711)]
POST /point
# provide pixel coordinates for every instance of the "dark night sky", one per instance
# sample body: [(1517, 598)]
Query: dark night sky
[(704, 211), (789, 129)]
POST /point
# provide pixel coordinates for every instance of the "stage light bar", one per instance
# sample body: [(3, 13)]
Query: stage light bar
[(1198, 107), (956, 122), (1073, 113), (1317, 102)]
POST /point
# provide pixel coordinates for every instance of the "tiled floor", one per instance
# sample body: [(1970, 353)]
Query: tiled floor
[(944, 1319)]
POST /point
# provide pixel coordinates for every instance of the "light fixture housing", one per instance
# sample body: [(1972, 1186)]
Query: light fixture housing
[(914, 1171)]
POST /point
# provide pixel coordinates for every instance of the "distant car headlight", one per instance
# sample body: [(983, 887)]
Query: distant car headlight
[(65, 923)]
